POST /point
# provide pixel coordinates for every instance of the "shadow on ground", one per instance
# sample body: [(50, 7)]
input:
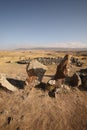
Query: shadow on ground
[(17, 83), (44, 87), (51, 76), (41, 86), (82, 88)]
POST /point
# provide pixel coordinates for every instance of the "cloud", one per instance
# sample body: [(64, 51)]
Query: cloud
[(57, 45), (68, 45)]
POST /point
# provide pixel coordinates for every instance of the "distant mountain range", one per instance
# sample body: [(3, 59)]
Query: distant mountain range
[(53, 48)]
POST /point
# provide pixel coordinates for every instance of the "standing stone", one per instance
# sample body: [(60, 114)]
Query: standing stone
[(61, 73), (35, 71), (63, 68)]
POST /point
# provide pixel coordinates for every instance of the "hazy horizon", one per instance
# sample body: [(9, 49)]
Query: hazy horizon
[(43, 23)]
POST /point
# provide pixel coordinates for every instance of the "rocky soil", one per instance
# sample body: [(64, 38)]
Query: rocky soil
[(34, 109)]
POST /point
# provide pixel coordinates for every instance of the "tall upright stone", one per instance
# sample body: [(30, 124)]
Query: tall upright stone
[(61, 73), (63, 68), (35, 71)]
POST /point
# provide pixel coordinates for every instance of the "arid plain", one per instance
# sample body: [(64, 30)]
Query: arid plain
[(34, 109)]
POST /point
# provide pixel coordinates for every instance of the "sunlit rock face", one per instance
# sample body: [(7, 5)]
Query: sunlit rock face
[(63, 68), (35, 71)]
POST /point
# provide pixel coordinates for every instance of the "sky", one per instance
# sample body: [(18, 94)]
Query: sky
[(43, 23)]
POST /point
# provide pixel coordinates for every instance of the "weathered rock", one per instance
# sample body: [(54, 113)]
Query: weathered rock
[(76, 62), (63, 68), (4, 83), (83, 71), (35, 71), (23, 61), (55, 86), (83, 76), (56, 83), (79, 64), (84, 80), (75, 80), (52, 82), (61, 73), (66, 87)]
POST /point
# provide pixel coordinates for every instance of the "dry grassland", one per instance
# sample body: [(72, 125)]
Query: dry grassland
[(35, 110)]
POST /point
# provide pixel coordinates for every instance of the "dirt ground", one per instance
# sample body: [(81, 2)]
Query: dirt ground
[(34, 109)]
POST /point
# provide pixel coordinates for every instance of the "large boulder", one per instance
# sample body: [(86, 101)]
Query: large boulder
[(6, 84), (75, 80), (84, 80), (83, 75), (35, 71)]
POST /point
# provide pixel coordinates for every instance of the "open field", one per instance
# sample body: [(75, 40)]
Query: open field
[(34, 109)]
